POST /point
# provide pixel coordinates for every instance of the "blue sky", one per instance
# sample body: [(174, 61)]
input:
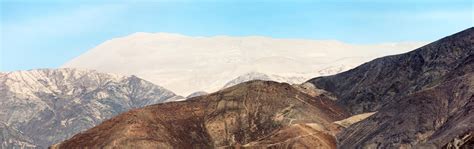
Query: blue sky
[(47, 34)]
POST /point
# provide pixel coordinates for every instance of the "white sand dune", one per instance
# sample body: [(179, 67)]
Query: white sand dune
[(187, 64)]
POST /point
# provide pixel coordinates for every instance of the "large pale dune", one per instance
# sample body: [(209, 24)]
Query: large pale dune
[(187, 64)]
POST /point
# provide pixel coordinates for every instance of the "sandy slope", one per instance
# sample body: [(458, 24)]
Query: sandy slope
[(187, 64)]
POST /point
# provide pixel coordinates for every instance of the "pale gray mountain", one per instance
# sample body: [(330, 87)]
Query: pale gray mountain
[(263, 77), (247, 77), (45, 106), (195, 94)]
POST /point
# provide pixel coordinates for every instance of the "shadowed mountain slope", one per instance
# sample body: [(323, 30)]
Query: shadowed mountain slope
[(432, 117), (372, 85), (423, 98)]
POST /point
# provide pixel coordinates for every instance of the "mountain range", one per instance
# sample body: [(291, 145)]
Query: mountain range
[(44, 106), (245, 92), (419, 99)]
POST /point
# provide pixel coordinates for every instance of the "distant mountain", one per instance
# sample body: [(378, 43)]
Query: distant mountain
[(195, 94), (264, 77), (187, 64), (44, 106), (247, 77), (423, 98), (251, 114)]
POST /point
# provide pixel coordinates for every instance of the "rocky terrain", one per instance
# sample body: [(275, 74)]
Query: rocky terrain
[(372, 85), (430, 118), (423, 98), (12, 138), (250, 114), (45, 106), (419, 99)]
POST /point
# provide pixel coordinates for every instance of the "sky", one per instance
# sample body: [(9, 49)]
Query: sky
[(47, 34)]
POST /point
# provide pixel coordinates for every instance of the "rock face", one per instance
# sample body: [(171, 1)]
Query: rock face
[(432, 117), (424, 98), (251, 114), (12, 138), (45, 106)]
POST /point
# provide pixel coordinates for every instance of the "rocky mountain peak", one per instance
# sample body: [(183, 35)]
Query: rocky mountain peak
[(67, 101)]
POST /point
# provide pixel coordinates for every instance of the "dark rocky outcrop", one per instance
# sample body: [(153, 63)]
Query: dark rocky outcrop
[(423, 98), (433, 117)]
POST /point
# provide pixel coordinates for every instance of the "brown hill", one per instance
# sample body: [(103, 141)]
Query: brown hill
[(252, 114)]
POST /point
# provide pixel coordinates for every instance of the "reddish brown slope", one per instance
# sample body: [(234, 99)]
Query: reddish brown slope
[(252, 114)]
